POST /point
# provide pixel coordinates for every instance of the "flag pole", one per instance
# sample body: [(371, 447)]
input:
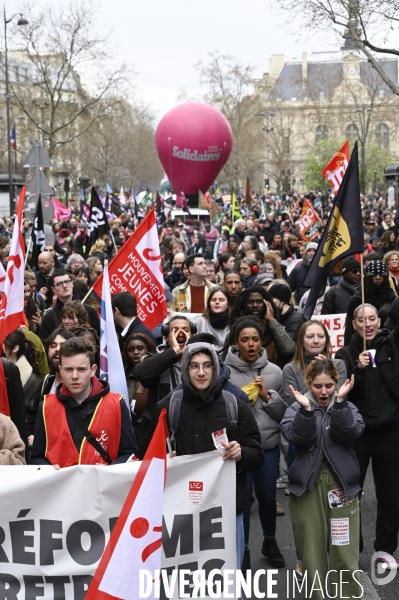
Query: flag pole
[(87, 295), (28, 250), (113, 239), (362, 288)]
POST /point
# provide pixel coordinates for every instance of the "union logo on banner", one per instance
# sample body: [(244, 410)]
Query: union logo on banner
[(309, 223), (335, 170), (137, 269)]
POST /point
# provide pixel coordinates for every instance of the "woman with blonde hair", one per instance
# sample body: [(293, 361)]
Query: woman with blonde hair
[(313, 342), (95, 266), (98, 249)]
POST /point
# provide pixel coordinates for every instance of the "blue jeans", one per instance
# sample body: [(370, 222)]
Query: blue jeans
[(240, 546), (239, 540), (264, 480)]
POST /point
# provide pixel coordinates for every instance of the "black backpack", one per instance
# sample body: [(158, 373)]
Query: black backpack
[(175, 406)]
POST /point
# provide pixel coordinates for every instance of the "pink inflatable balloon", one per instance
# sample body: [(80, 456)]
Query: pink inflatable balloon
[(194, 142)]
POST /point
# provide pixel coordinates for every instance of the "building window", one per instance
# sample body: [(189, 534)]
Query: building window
[(351, 132), (321, 133), (286, 144), (321, 95), (382, 135), (381, 93)]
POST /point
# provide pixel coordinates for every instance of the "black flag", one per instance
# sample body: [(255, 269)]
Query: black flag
[(38, 237), (342, 237), (97, 225)]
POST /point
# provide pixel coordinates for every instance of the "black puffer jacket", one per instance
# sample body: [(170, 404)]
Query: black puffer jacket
[(202, 416), (376, 390), (296, 278), (323, 434), (292, 320), (336, 299)]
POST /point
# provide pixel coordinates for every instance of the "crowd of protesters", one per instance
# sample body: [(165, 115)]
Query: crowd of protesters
[(235, 342)]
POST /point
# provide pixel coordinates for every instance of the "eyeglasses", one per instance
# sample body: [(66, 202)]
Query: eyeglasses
[(61, 283), (206, 367), (76, 262), (355, 271)]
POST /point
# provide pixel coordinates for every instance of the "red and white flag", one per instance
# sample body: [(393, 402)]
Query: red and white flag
[(335, 170), (137, 269), (12, 301), (309, 223), (136, 540), (2, 277)]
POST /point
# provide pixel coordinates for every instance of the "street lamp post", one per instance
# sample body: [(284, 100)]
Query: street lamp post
[(21, 21), (268, 129), (364, 127)]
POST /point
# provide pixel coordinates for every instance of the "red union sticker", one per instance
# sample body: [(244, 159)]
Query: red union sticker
[(195, 492), (196, 485)]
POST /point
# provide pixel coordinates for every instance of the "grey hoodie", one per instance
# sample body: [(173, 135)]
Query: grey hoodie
[(187, 354), (267, 414)]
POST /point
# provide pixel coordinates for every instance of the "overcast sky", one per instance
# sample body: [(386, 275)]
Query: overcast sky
[(163, 39)]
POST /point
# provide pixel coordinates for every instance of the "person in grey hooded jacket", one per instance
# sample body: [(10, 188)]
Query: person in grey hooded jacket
[(249, 364)]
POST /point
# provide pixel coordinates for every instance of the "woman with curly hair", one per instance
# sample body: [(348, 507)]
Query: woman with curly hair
[(255, 301)]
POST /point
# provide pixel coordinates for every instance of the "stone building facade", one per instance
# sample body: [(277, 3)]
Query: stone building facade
[(322, 95)]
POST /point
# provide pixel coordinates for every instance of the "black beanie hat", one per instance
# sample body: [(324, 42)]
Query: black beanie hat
[(281, 292), (349, 264)]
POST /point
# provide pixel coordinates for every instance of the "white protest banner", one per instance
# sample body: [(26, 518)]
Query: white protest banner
[(336, 328), (54, 525)]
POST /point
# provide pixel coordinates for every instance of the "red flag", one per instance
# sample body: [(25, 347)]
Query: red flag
[(309, 222), (248, 198), (12, 301), (137, 269), (136, 540), (335, 170)]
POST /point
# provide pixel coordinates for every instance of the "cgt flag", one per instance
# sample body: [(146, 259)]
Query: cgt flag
[(342, 237), (38, 237), (136, 539), (335, 170), (136, 268), (309, 223)]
